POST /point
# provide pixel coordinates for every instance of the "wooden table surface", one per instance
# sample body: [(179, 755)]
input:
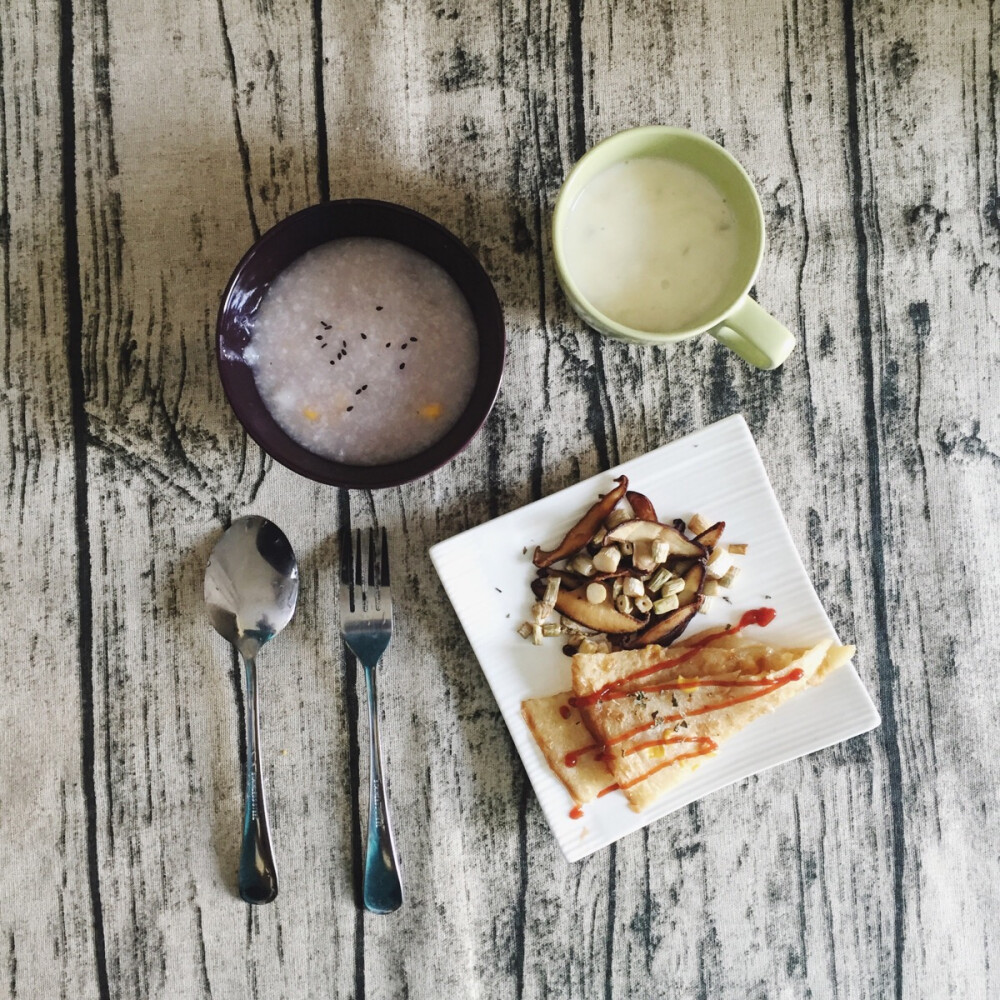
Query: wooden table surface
[(143, 147)]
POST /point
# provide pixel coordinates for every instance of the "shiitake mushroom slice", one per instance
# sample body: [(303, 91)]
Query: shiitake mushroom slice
[(567, 578), (667, 629), (637, 531), (709, 538), (641, 505), (604, 617), (694, 583), (585, 529)]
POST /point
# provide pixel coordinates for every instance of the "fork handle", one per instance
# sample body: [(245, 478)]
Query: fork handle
[(382, 890)]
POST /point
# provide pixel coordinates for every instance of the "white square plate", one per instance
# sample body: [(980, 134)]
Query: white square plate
[(716, 472)]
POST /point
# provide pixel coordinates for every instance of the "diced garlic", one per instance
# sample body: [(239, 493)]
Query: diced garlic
[(598, 538), (730, 576), (524, 630), (710, 588), (705, 604), (698, 524), (720, 561), (540, 611), (661, 550), (550, 629), (583, 565), (642, 557), (666, 604), (587, 646), (738, 549), (633, 587), (607, 560), (616, 517), (551, 592), (616, 587), (597, 593)]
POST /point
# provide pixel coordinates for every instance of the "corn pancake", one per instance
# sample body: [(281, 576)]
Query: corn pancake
[(557, 736), (728, 658)]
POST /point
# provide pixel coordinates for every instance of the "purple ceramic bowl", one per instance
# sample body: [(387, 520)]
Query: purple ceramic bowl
[(287, 241)]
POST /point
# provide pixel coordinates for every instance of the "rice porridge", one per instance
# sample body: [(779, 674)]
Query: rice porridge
[(364, 351)]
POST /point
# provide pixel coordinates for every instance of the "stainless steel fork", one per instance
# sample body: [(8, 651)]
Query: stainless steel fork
[(366, 624)]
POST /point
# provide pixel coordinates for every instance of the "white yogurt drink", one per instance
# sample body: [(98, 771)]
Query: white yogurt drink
[(651, 243), (364, 351)]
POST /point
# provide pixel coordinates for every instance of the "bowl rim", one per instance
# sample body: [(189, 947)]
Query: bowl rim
[(490, 329)]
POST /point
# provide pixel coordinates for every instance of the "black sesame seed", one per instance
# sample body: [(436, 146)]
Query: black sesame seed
[(402, 366), (403, 347), (332, 361), (413, 340), (319, 336), (357, 392), (365, 386), (364, 336), (324, 344), (344, 342), (326, 326), (388, 345), (378, 309), (350, 408)]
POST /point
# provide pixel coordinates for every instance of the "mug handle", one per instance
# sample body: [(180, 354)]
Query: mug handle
[(755, 335)]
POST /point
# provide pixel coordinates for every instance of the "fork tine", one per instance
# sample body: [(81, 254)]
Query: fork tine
[(346, 577), (385, 559), (373, 576), (359, 580)]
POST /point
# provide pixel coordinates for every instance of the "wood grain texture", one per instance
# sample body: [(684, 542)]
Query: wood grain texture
[(143, 147)]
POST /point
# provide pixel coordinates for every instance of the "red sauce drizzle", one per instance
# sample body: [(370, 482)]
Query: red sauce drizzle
[(564, 711), (763, 687), (707, 746), (616, 689), (758, 616), (573, 757), (576, 812), (707, 741)]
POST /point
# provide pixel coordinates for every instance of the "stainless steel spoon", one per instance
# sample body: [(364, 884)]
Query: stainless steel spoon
[(251, 585)]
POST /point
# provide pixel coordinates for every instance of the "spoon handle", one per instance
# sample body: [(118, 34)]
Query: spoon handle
[(382, 890), (258, 879)]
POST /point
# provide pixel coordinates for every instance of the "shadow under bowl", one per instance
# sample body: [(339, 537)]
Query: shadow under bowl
[(281, 246)]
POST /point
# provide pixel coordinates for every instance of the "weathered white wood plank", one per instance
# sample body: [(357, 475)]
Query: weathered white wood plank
[(928, 186), (47, 936), (168, 466)]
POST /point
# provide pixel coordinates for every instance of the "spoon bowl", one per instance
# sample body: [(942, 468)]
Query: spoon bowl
[(251, 586)]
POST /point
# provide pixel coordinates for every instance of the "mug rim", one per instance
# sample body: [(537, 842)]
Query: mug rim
[(582, 305)]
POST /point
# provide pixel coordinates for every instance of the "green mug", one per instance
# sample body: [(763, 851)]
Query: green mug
[(732, 317)]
